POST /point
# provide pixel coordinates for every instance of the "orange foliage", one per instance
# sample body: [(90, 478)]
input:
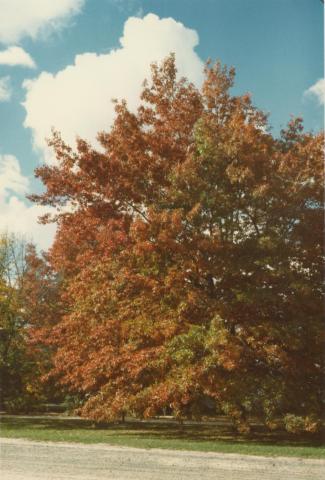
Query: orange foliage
[(191, 253)]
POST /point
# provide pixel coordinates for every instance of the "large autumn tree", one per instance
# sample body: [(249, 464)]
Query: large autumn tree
[(190, 245)]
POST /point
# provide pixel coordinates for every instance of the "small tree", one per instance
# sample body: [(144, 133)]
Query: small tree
[(15, 363), (28, 299)]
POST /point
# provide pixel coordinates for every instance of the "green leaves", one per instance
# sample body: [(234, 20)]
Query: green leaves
[(187, 348)]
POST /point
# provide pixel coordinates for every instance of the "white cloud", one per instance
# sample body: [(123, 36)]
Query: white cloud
[(16, 56), (29, 18), (16, 215), (5, 89), (11, 178), (77, 100), (317, 90)]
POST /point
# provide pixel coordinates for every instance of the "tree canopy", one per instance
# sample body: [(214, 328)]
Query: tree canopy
[(189, 245)]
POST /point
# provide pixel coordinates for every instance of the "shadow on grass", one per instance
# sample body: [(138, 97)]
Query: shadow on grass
[(219, 431)]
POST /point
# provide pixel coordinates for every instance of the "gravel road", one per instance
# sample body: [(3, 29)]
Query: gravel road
[(25, 460)]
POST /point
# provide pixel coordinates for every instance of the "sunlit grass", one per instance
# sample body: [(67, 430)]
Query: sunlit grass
[(217, 437)]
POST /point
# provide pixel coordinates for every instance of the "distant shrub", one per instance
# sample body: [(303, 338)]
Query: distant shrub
[(298, 424)]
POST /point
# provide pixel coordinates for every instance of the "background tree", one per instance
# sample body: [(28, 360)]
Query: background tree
[(28, 299), (16, 369), (191, 277)]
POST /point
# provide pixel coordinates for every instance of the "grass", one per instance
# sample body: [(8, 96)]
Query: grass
[(216, 437)]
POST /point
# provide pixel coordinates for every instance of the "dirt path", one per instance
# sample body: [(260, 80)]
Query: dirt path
[(24, 460)]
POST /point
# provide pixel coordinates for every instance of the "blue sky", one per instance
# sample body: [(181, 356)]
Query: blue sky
[(276, 47)]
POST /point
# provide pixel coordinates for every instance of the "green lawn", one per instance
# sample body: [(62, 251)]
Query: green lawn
[(218, 437)]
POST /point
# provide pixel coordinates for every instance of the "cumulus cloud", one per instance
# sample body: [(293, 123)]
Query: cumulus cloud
[(317, 91), (5, 89), (15, 214), (77, 99), (22, 18), (18, 217), (16, 56), (11, 178)]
